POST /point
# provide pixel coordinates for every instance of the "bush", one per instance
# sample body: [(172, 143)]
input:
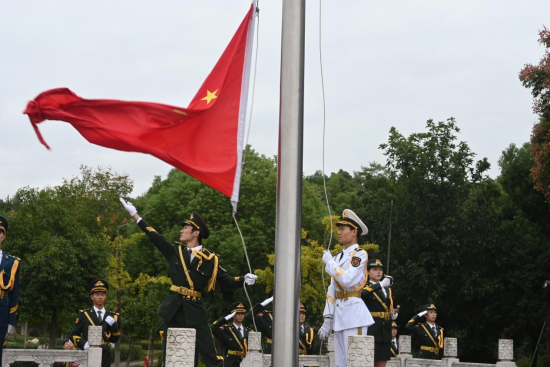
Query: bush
[(137, 352)]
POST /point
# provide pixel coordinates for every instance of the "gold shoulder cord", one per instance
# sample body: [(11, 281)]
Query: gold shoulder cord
[(237, 339), (185, 270), (89, 318), (11, 283), (430, 335)]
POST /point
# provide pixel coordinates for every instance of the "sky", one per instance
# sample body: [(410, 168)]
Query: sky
[(385, 64)]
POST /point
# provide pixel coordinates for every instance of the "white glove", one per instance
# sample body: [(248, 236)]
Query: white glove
[(130, 208), (422, 313), (326, 256), (325, 330), (230, 316), (267, 301), (11, 329), (386, 282), (86, 346), (394, 315), (109, 320), (250, 279)]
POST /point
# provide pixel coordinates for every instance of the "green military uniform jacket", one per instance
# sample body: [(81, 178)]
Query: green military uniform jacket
[(203, 273), (264, 323), (306, 339), (235, 344), (431, 346), (87, 318), (379, 306)]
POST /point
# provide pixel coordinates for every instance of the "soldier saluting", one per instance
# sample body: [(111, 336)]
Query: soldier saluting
[(9, 288), (429, 334), (234, 336), (344, 306), (193, 270), (97, 316)]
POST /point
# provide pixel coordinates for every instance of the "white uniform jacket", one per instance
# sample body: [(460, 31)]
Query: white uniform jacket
[(348, 270)]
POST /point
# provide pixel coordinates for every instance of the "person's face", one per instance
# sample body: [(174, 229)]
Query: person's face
[(68, 346), (2, 236), (431, 315), (393, 332), (376, 273), (98, 298), (347, 235), (239, 317), (302, 317), (187, 234)]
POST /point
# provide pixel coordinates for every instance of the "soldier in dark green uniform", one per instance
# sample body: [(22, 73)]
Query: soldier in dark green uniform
[(193, 270), (378, 297), (9, 289), (306, 333), (394, 342), (429, 335), (233, 335), (264, 321), (97, 316)]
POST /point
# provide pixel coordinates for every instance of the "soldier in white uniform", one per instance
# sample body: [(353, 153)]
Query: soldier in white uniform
[(345, 311)]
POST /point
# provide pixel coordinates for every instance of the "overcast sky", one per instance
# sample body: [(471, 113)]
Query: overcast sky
[(386, 63)]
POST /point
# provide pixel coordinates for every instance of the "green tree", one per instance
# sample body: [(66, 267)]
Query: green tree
[(537, 78), (59, 233)]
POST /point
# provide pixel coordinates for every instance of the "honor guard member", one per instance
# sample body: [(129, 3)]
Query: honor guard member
[(394, 342), (9, 288), (345, 312), (429, 335), (193, 270), (264, 321), (306, 333), (378, 298), (97, 316), (234, 336)]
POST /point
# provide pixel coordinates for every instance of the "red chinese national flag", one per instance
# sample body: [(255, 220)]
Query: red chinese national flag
[(204, 140)]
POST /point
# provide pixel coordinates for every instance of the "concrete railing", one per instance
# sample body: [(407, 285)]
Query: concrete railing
[(450, 357), (90, 357)]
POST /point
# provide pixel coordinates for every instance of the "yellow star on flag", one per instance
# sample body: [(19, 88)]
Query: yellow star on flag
[(210, 96)]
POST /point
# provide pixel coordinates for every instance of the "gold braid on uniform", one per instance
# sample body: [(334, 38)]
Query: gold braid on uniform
[(204, 254), (11, 283)]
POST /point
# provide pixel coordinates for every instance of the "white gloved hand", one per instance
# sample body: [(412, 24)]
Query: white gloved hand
[(325, 330), (386, 282), (130, 208), (267, 301), (250, 279), (230, 316), (109, 320), (394, 315), (326, 256), (11, 329), (86, 346), (422, 313)]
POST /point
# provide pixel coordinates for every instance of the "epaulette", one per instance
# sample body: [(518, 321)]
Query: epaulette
[(205, 254), (13, 257), (359, 249)]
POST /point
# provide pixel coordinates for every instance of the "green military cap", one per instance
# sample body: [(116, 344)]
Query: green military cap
[(237, 307), (374, 263), (197, 222), (98, 285), (429, 306)]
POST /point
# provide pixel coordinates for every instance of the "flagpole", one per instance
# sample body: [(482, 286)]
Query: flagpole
[(289, 187)]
